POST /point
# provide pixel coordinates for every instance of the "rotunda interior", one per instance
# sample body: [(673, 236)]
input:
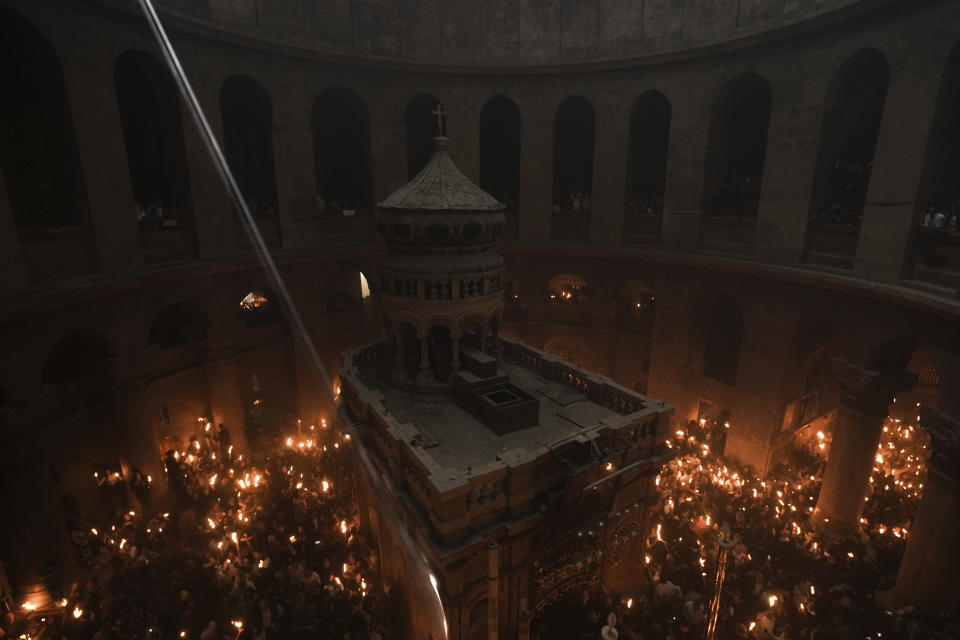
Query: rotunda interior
[(479, 320)]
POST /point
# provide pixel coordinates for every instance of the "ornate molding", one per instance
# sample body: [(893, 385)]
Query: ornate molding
[(869, 392)]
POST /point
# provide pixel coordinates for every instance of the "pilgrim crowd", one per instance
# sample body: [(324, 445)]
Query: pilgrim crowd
[(245, 548), (782, 581)]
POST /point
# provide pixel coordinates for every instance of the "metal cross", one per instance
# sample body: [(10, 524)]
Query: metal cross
[(441, 114)]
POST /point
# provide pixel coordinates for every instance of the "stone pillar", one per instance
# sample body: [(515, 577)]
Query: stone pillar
[(34, 536), (928, 571), (533, 324), (523, 621), (493, 594), (455, 345), (424, 375), (864, 399), (137, 440), (226, 401), (398, 360)]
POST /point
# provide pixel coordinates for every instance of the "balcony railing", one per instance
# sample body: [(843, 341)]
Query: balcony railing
[(728, 234), (831, 244), (938, 257)]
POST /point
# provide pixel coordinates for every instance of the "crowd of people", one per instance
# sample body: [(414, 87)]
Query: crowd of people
[(579, 202), (650, 204), (782, 580), (247, 547)]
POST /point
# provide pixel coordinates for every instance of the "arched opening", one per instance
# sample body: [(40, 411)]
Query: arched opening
[(156, 155), (937, 251), (737, 148), (567, 288), (38, 154), (247, 116), (259, 307), (500, 155), (421, 130), (178, 324), (852, 111), (636, 296), (341, 152), (440, 349), (721, 353), (573, 142), (647, 166)]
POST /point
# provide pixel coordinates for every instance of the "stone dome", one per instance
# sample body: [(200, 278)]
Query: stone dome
[(440, 207)]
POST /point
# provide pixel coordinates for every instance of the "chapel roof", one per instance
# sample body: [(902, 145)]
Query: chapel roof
[(441, 186)]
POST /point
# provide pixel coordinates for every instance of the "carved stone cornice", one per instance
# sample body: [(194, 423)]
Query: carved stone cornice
[(869, 392), (944, 433)]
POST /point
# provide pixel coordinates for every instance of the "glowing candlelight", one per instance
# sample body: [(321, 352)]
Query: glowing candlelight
[(77, 612)]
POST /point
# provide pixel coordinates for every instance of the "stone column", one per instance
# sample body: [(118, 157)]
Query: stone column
[(533, 324), (928, 571), (864, 399), (137, 440), (455, 345), (398, 360), (493, 593), (523, 621), (34, 536), (424, 375), (226, 401)]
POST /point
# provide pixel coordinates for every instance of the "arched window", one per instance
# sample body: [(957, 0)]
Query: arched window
[(721, 354), (248, 142), (38, 150), (566, 288), (38, 155), (500, 150), (150, 116), (421, 130), (573, 139), (852, 112), (737, 148), (177, 324), (938, 197), (341, 152), (647, 159), (636, 296)]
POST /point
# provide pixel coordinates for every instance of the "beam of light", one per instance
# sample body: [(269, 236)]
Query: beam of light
[(230, 183)]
